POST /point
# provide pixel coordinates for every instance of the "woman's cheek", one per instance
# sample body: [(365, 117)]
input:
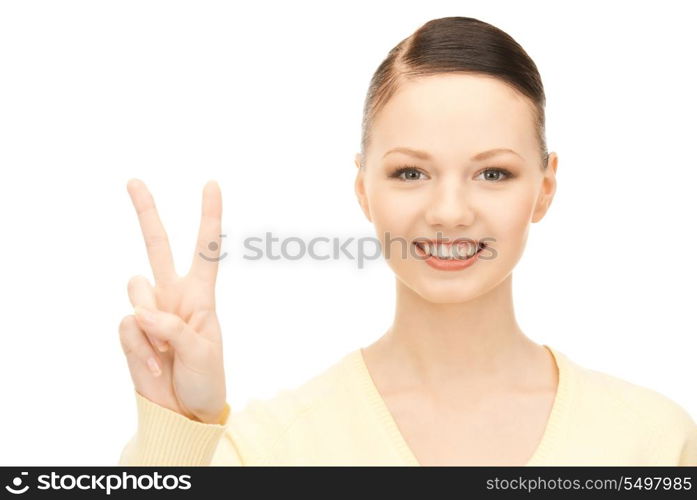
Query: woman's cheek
[(393, 215), (511, 222)]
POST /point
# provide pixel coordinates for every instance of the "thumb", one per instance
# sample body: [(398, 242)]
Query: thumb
[(166, 327), (141, 293)]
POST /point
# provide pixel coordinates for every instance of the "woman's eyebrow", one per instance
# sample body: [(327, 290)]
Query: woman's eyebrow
[(493, 152), (423, 155), (412, 152)]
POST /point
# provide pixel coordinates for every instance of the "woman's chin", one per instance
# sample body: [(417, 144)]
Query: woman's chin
[(446, 292)]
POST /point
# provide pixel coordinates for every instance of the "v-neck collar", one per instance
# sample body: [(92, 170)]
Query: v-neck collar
[(545, 448)]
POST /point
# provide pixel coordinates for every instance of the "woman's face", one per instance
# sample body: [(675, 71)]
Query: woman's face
[(448, 193)]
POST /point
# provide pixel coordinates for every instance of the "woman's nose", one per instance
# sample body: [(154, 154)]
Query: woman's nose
[(450, 206)]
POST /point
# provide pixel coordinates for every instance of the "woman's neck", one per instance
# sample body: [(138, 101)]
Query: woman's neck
[(473, 344)]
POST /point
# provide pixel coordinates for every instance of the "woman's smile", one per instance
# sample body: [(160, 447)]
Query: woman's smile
[(448, 256)]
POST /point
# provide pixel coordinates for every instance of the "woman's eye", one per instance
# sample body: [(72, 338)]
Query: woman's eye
[(497, 173), (410, 174)]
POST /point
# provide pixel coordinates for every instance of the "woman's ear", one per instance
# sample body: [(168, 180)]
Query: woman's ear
[(359, 187), (549, 187)]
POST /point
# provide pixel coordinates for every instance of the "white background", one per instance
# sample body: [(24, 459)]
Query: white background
[(266, 98)]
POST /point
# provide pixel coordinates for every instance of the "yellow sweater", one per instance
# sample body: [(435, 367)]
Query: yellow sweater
[(339, 418)]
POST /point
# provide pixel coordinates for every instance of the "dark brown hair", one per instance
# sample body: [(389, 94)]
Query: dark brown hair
[(456, 44)]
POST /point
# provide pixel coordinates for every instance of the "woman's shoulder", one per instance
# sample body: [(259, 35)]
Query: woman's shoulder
[(603, 388), (305, 405), (301, 396), (602, 400)]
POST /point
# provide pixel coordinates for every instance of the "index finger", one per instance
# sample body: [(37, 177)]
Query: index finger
[(156, 240)]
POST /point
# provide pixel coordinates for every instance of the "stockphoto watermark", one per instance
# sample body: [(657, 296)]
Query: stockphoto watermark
[(106, 483), (357, 249)]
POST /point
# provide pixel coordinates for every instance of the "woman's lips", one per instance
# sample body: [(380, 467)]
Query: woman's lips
[(448, 264)]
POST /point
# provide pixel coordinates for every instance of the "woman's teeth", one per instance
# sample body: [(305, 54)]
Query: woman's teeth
[(461, 251)]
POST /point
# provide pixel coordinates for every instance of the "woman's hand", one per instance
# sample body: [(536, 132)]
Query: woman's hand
[(177, 315)]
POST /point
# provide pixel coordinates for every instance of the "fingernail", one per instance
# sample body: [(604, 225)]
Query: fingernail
[(145, 315), (154, 367)]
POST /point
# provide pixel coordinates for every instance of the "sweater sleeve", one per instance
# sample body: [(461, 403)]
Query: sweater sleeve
[(164, 437)]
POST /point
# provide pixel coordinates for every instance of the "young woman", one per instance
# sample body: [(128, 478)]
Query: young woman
[(452, 170)]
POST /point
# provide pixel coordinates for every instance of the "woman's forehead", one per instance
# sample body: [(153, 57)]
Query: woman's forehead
[(445, 109)]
